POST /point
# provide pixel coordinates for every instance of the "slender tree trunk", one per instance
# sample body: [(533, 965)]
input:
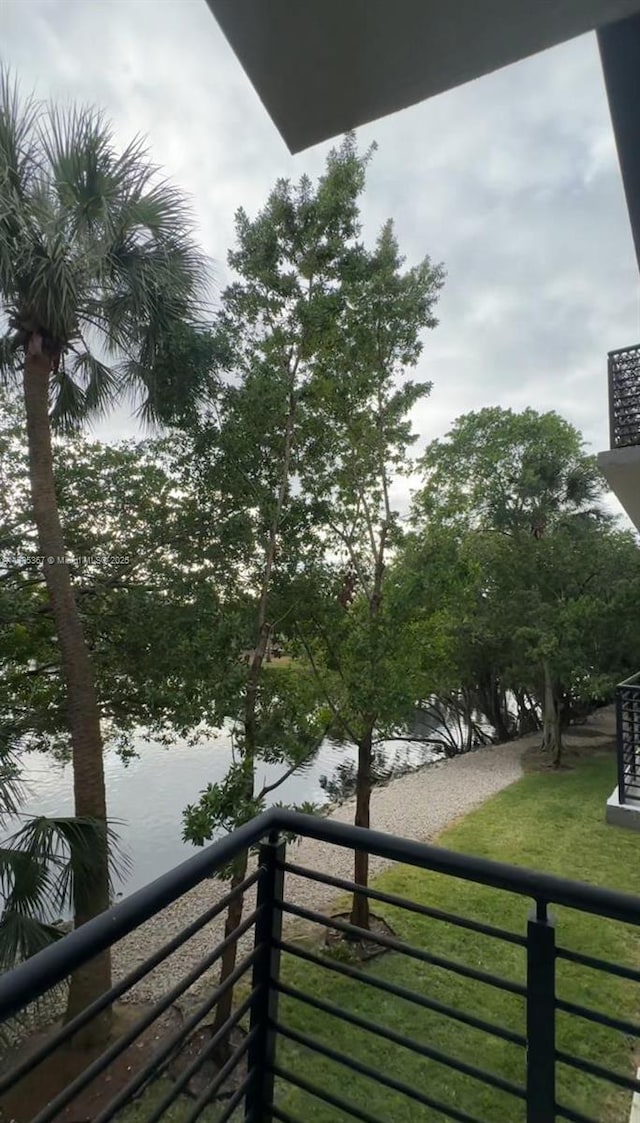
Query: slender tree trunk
[(235, 910), (501, 711), (528, 721), (468, 718), (489, 692), (557, 744), (547, 708), (82, 705), (552, 718), (534, 707), (227, 963), (360, 903)]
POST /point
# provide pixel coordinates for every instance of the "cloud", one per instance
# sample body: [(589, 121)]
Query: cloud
[(512, 181)]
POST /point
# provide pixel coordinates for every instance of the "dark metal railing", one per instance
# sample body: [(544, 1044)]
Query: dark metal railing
[(624, 396), (259, 1070), (628, 739)]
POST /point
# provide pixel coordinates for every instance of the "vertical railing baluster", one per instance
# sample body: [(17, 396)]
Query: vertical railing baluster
[(261, 1053), (613, 442), (634, 699), (541, 1017), (620, 744)]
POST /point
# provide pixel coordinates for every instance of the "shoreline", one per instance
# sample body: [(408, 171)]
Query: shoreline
[(418, 805)]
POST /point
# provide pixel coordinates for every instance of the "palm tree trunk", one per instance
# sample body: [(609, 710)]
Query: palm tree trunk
[(82, 706)]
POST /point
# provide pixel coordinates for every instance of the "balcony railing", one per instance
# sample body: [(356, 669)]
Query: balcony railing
[(624, 396), (628, 739), (263, 1058)]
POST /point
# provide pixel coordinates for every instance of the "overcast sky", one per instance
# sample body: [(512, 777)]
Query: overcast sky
[(512, 181)]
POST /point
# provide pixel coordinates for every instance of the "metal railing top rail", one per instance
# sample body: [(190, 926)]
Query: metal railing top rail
[(633, 681), (624, 397), (623, 350), (497, 875), (27, 982)]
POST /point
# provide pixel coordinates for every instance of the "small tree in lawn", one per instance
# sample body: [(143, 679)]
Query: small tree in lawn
[(364, 402), (278, 320)]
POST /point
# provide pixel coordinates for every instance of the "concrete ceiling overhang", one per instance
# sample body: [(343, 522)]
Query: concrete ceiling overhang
[(324, 66), (620, 51)]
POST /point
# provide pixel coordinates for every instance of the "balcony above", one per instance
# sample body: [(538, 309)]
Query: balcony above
[(624, 397), (621, 463)]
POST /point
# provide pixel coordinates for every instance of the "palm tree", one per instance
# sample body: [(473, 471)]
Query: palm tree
[(98, 270), (43, 867)]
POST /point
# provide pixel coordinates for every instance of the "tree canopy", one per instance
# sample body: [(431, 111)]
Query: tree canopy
[(525, 574), (251, 566)]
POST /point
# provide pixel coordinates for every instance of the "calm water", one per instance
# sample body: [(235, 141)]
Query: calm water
[(147, 796)]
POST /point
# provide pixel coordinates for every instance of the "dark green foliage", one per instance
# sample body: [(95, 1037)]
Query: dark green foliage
[(524, 581), (150, 577)]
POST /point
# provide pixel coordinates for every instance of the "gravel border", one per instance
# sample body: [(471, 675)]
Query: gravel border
[(418, 806)]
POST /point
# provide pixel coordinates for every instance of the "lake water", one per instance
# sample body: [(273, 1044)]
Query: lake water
[(147, 796)]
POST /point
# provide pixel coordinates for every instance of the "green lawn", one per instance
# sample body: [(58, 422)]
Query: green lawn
[(549, 821)]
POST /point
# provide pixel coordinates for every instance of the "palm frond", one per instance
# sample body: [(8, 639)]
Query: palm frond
[(9, 359), (20, 162), (26, 882), (53, 288), (100, 382), (11, 787), (68, 407), (22, 936), (67, 848), (161, 212), (78, 145), (19, 170), (94, 246), (183, 374), (133, 170)]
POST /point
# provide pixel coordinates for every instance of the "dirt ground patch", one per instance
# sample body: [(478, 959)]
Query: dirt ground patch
[(595, 737), (40, 1087)]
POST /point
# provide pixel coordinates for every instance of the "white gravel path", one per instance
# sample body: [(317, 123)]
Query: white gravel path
[(416, 806)]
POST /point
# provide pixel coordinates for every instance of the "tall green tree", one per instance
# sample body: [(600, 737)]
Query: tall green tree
[(98, 269), (509, 472), (515, 503), (363, 401), (279, 320), (557, 602)]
